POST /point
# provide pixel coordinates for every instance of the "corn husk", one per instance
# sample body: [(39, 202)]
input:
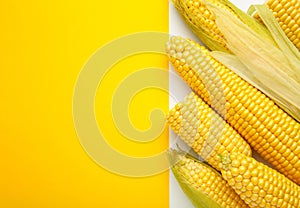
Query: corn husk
[(198, 198), (266, 66), (283, 42), (202, 31), (199, 29), (255, 25)]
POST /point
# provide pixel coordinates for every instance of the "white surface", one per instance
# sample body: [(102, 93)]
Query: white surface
[(178, 89)]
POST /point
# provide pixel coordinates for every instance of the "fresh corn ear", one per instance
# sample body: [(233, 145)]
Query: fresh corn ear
[(287, 14), (204, 186), (274, 69), (268, 129), (202, 21), (259, 185), (205, 131)]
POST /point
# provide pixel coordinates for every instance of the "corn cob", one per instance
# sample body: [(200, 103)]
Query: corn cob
[(198, 180), (268, 129), (259, 185), (202, 21), (205, 131), (287, 13), (273, 70)]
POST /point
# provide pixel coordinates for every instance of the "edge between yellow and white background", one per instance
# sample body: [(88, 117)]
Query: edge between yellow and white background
[(180, 90)]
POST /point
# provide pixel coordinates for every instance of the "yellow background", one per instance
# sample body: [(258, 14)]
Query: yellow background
[(44, 44)]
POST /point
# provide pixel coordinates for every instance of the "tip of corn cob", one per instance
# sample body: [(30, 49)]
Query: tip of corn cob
[(173, 118), (200, 16), (179, 47), (196, 66), (204, 186), (204, 130), (201, 21)]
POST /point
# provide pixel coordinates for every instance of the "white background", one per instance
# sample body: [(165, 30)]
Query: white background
[(178, 89)]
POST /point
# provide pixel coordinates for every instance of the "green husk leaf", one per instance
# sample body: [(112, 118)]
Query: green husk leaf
[(284, 43), (251, 22), (265, 61), (233, 63), (198, 198), (251, 11), (198, 29), (201, 31)]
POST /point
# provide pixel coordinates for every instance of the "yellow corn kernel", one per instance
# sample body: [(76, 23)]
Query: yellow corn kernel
[(205, 131), (202, 21), (263, 186), (192, 174), (287, 14), (268, 126)]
